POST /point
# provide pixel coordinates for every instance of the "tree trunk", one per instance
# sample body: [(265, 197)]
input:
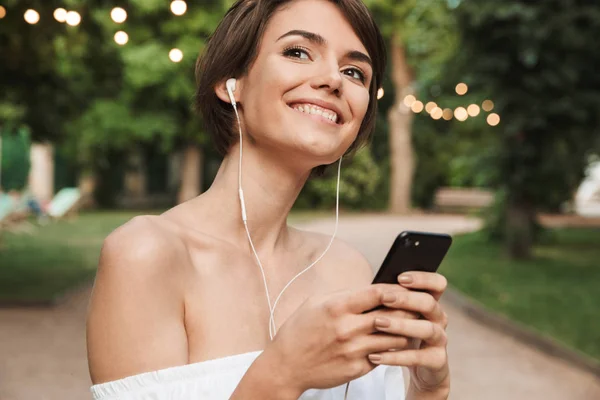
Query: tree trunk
[(87, 183), (41, 172), (520, 226), (191, 173), (402, 158), (135, 175)]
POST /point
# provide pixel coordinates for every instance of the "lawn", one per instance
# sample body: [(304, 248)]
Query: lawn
[(556, 293), (39, 267)]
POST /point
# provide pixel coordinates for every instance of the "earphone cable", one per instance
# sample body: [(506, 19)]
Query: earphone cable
[(244, 217), (272, 326), (337, 213)]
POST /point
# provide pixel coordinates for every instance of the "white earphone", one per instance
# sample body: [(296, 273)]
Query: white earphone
[(231, 86)]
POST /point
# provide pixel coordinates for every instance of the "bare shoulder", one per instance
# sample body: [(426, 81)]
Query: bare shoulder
[(344, 261), (137, 302), (143, 238)]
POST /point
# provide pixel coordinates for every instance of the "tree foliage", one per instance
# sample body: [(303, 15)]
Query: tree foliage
[(538, 61), (34, 89), (154, 98)]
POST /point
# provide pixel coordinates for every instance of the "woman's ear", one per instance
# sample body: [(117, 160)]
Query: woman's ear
[(221, 91)]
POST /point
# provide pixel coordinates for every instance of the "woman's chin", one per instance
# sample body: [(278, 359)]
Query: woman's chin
[(320, 156), (323, 151)]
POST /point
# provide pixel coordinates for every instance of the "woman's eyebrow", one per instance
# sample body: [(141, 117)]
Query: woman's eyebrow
[(321, 41)]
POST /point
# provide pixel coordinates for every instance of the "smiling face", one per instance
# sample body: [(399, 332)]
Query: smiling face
[(307, 92)]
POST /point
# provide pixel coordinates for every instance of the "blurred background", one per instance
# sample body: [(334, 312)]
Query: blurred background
[(488, 128)]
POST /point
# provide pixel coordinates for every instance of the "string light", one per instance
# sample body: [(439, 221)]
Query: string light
[(437, 113), (2, 12), (32, 17), (488, 105), (473, 110), (176, 55), (380, 93), (462, 89), (461, 114), (430, 107), (448, 114), (409, 100), (121, 38), (73, 18), (178, 7), (417, 107), (60, 14), (118, 15), (493, 119)]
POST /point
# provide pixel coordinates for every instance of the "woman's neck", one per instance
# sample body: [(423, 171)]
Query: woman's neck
[(270, 190)]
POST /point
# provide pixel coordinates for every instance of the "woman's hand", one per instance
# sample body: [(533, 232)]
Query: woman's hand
[(427, 357), (327, 341)]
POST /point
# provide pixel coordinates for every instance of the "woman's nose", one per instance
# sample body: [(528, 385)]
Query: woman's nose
[(329, 77)]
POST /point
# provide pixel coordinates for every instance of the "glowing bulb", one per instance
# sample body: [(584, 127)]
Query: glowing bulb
[(60, 14), (409, 100), (493, 119), (488, 105), (121, 38), (178, 7), (448, 114), (118, 15), (2, 12), (430, 106), (73, 18), (380, 93), (462, 89), (417, 106), (437, 113), (32, 17), (176, 55), (461, 114), (473, 110)]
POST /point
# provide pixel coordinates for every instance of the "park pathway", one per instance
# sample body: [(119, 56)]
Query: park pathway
[(42, 351)]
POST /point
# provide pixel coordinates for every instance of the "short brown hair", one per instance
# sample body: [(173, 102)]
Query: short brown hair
[(233, 47)]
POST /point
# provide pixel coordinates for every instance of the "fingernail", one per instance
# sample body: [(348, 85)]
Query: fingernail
[(382, 322), (389, 298), (375, 358), (405, 279)]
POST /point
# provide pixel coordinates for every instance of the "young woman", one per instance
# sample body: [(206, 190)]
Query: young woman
[(179, 308)]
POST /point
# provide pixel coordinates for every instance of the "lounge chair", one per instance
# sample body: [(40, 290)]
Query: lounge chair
[(65, 202), (7, 207)]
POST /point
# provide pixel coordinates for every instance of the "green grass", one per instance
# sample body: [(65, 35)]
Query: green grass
[(556, 293), (39, 266)]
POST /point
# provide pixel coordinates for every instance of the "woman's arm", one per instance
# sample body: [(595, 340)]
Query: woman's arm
[(267, 379), (438, 394), (135, 317)]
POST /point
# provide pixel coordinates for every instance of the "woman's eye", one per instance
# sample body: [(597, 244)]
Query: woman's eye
[(356, 74), (296, 52)]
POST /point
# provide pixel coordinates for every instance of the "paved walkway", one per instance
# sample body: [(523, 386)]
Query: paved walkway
[(42, 351)]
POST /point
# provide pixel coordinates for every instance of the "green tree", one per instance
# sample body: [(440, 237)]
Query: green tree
[(421, 37), (154, 101), (538, 61)]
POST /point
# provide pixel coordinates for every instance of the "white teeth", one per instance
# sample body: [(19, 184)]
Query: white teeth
[(313, 110)]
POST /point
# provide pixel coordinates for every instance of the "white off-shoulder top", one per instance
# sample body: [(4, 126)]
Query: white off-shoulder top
[(217, 379)]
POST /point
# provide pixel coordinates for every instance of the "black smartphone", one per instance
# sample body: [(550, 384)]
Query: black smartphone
[(413, 251)]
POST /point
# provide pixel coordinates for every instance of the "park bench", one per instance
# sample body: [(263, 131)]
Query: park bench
[(449, 199)]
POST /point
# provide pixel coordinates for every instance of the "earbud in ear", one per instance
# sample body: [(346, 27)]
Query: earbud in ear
[(230, 84)]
